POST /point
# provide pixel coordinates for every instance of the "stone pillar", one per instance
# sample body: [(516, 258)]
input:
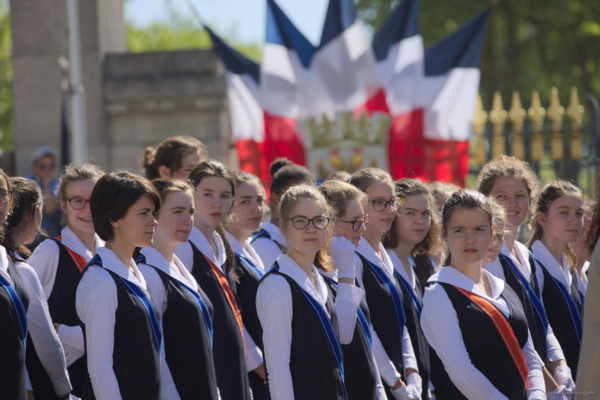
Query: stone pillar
[(40, 34)]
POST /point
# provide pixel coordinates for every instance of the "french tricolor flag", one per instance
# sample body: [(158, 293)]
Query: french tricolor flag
[(286, 57), (242, 77), (343, 66), (449, 92), (398, 49)]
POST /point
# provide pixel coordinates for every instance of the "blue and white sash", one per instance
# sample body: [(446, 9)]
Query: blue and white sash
[(535, 300), (396, 297), (203, 308), (416, 301), (249, 263), (19, 308)]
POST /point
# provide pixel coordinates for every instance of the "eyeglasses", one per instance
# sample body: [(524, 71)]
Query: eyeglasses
[(78, 203), (6, 196), (381, 204), (302, 222), (358, 222)]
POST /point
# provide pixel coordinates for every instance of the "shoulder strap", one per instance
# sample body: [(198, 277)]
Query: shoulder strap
[(411, 293), (504, 329), (18, 306), (249, 263), (78, 259)]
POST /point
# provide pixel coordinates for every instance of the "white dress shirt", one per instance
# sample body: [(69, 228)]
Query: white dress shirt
[(266, 249), (253, 355), (96, 304), (275, 311), (440, 325), (40, 327), (246, 250), (386, 367), (522, 262), (559, 272), (582, 280), (399, 268)]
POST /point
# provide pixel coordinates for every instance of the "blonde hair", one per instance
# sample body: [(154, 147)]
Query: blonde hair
[(365, 177)]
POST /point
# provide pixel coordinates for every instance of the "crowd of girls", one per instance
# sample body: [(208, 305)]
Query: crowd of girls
[(175, 286)]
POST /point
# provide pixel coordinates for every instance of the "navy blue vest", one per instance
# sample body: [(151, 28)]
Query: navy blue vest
[(485, 346), (245, 289), (359, 370), (136, 360), (61, 304), (382, 311), (228, 344), (187, 342), (559, 318), (12, 351), (538, 333), (314, 369)]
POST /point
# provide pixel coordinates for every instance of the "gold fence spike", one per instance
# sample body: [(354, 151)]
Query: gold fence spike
[(556, 114), (517, 115), (479, 119), (536, 113), (498, 117), (575, 113)]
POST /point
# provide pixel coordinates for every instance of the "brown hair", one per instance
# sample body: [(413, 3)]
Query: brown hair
[(508, 167), (4, 176), (363, 178), (170, 153), (164, 186), (549, 194), (214, 168), (341, 175), (289, 200), (69, 174), (498, 212), (113, 195), (27, 196), (338, 194), (465, 199)]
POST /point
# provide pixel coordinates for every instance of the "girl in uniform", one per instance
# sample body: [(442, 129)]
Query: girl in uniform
[(475, 322), (183, 309), (246, 215), (59, 262), (558, 222), (269, 242), (122, 333), (175, 158), (375, 274), (209, 258), (514, 185), (296, 309), (414, 235), (45, 360), (348, 219)]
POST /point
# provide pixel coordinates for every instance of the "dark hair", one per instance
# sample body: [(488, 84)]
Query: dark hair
[(69, 174), (465, 199), (431, 244), (290, 175), (363, 178), (508, 167), (245, 177), (4, 176), (338, 194), (170, 153), (549, 194), (277, 164), (164, 186), (594, 224), (214, 168), (27, 196), (289, 200), (113, 194)]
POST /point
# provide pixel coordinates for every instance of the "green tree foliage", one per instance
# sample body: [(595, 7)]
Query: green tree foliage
[(529, 44), (7, 142), (177, 34)]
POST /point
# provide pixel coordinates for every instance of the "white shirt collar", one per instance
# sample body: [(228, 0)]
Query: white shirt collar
[(111, 262), (558, 271), (365, 250), (275, 233), (522, 261), (156, 259), (201, 242), (495, 268), (72, 241), (399, 267), (4, 260), (246, 250), (290, 268), (454, 277)]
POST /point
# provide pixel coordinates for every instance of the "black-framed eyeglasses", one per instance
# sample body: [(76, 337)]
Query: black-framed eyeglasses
[(78, 203), (303, 222), (6, 195), (358, 222), (381, 204)]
